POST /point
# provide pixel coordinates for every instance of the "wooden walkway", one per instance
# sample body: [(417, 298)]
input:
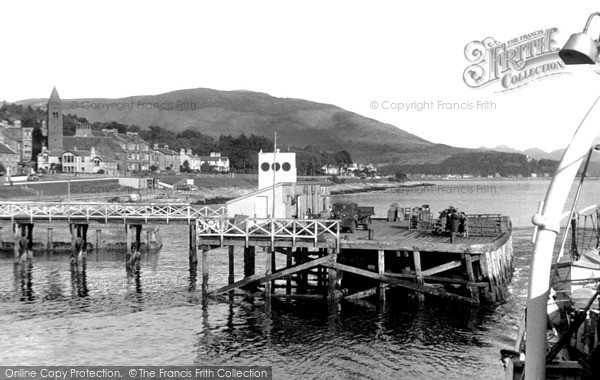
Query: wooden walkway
[(156, 213)]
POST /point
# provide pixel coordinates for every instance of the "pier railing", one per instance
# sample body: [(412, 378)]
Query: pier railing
[(294, 230), (48, 212)]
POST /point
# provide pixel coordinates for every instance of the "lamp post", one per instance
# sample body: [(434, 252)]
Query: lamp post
[(580, 49)]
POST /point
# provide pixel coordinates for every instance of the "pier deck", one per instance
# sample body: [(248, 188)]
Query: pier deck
[(385, 236), (395, 236)]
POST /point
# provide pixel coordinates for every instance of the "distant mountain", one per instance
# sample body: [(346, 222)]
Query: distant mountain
[(298, 122), (557, 154), (537, 153), (506, 149)]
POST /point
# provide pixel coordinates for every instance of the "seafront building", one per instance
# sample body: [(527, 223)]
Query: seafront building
[(279, 193), (9, 159)]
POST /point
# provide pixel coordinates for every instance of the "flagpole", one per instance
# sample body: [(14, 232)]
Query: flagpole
[(274, 172)]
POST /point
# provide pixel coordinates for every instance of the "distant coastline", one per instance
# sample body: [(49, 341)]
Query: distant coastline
[(365, 187)]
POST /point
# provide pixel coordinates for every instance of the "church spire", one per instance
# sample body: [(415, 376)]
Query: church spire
[(54, 95), (54, 122)]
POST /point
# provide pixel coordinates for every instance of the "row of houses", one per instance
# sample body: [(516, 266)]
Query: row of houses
[(110, 152), (352, 170), (16, 144)]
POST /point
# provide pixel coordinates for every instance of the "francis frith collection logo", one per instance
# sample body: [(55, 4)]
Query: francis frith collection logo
[(515, 63)]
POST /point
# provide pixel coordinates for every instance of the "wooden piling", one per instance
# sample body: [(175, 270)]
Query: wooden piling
[(128, 231), (249, 261), (418, 273), (268, 271), (97, 240), (273, 267), (250, 266), (332, 278), (49, 242), (381, 270), (473, 290), (73, 231), (288, 264), (205, 249), (138, 237), (17, 239), (82, 239), (193, 246), (231, 264)]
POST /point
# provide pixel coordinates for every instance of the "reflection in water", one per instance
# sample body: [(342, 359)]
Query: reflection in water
[(78, 278), (301, 339), (156, 314), (23, 280), (54, 288)]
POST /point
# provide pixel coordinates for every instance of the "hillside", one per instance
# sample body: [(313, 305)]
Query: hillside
[(299, 122), (482, 163)]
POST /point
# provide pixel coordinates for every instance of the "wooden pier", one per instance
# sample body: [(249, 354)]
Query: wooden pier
[(475, 268), (320, 259)]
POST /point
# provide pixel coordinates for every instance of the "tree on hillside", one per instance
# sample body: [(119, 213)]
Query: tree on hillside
[(37, 142), (342, 158), (158, 135), (205, 167), (199, 143), (186, 167)]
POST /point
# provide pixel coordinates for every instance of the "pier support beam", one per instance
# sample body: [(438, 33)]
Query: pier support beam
[(418, 273), (473, 290), (128, 242), (17, 246), (134, 243), (231, 251), (193, 255), (381, 271), (205, 249), (49, 241), (97, 240), (78, 242), (301, 257), (288, 264), (23, 242), (268, 271), (193, 245), (250, 265)]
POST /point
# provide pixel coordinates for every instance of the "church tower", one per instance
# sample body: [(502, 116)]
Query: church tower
[(54, 122)]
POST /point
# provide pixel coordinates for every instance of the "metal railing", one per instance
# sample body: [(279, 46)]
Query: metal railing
[(294, 230), (48, 212)]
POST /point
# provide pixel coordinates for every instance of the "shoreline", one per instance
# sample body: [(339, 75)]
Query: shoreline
[(355, 188)]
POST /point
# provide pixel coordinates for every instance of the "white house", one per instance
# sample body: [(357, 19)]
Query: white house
[(77, 161), (216, 162), (192, 159)]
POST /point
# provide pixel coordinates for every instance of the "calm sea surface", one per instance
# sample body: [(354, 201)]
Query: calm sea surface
[(111, 319)]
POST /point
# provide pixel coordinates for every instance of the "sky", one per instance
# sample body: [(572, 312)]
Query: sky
[(361, 56)]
